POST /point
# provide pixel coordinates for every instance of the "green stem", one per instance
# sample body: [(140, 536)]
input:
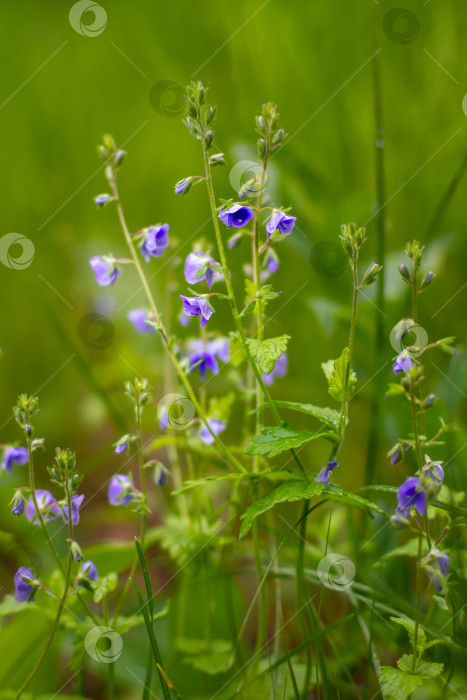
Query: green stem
[(222, 447), (231, 298), (419, 597), (110, 667), (60, 607), (144, 515)]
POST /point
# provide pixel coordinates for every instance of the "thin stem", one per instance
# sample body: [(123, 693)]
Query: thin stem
[(60, 607), (222, 447), (144, 515), (110, 667), (419, 597), (232, 302)]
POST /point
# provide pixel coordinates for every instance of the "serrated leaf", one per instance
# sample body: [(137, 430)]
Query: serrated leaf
[(104, 586), (328, 416), (267, 352), (398, 685), (286, 492), (273, 441), (295, 491), (336, 372), (409, 625)]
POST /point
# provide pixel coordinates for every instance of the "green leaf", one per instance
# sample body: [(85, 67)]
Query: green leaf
[(295, 491), (328, 416), (209, 656), (409, 625), (424, 669), (267, 293), (275, 440), (394, 389), (266, 352), (105, 585), (336, 372), (397, 684), (286, 492)]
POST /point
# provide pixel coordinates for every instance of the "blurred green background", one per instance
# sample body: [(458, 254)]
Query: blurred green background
[(61, 91)]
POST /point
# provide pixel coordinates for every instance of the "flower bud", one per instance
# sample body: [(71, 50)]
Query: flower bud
[(404, 273), (208, 138), (217, 159), (76, 550), (211, 115), (427, 279), (370, 275), (102, 199), (262, 148), (278, 136), (119, 157)]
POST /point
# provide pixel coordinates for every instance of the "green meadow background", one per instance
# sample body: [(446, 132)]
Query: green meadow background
[(60, 92)]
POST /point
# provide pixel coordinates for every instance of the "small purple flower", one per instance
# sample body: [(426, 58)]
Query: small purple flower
[(195, 262), (217, 426), (102, 199), (18, 507), (237, 215), (196, 306), (24, 584), (401, 517), (411, 493), (48, 507), (120, 490), (397, 454), (138, 317), (403, 363), (324, 476), (121, 447), (89, 571), (280, 370), (160, 475), (437, 567), (106, 272), (76, 502), (272, 264), (203, 361), (220, 348), (155, 242), (14, 455), (183, 186), (281, 222)]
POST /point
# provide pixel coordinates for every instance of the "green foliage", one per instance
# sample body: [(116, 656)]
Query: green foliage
[(336, 374), (273, 441), (267, 352), (104, 586), (327, 416)]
